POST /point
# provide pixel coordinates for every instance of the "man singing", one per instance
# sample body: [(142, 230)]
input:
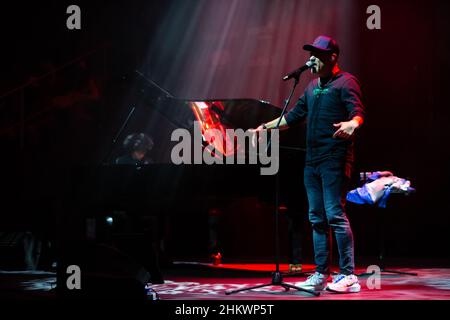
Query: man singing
[(333, 110)]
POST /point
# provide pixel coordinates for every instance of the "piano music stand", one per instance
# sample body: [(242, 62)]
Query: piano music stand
[(277, 276), (107, 158)]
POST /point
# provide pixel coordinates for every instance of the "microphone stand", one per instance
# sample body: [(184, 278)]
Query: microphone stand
[(277, 276)]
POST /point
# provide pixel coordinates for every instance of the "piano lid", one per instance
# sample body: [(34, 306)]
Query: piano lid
[(219, 114), (233, 113)]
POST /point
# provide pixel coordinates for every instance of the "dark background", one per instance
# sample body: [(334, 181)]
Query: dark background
[(227, 49)]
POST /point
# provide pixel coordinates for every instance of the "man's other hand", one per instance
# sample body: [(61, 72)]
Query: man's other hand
[(346, 129), (256, 137)]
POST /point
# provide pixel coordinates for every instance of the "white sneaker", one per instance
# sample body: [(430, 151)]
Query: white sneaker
[(316, 282), (345, 284)]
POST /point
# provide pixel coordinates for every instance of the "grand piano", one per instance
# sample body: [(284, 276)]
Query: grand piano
[(108, 184)]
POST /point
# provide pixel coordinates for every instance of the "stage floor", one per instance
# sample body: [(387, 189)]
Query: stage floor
[(197, 281)]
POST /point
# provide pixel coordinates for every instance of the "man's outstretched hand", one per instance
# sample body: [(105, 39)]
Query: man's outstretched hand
[(345, 129)]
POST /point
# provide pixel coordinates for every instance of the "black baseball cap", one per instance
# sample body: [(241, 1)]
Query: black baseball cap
[(324, 44)]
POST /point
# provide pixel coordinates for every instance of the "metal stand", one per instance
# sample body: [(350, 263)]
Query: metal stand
[(381, 248), (277, 277)]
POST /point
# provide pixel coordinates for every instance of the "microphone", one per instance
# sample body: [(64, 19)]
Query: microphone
[(296, 73)]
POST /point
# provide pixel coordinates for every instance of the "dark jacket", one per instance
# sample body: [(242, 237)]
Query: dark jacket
[(337, 101)]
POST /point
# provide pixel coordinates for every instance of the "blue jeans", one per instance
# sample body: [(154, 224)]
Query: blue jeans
[(326, 186)]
